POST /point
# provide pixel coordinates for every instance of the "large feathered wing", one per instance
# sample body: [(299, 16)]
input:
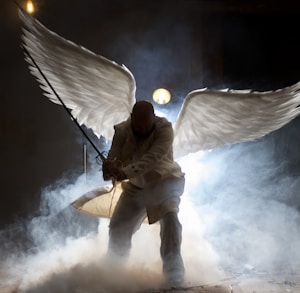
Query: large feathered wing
[(209, 119), (99, 92)]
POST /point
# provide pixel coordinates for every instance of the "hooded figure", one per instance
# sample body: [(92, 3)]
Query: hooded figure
[(141, 156)]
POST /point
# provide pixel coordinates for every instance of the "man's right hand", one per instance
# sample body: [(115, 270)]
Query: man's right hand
[(106, 169), (112, 169)]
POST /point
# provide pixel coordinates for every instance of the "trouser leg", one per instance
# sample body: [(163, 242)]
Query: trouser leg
[(170, 250), (126, 220)]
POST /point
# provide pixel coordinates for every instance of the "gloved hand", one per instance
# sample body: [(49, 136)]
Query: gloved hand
[(106, 170), (112, 169)]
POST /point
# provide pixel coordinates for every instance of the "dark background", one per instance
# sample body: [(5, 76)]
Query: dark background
[(181, 45)]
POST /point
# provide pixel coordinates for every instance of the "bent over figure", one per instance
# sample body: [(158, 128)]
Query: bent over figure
[(143, 144)]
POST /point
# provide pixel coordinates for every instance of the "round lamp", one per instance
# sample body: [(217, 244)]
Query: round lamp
[(161, 96)]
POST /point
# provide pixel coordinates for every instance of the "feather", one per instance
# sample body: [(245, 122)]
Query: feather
[(99, 92), (209, 119)]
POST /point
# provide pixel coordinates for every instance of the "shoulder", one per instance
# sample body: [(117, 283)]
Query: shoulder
[(162, 122), (123, 126), (163, 127)]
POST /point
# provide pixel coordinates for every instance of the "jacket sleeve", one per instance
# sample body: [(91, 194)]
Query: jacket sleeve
[(160, 149)]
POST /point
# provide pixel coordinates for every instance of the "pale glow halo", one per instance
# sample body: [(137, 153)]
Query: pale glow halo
[(161, 96)]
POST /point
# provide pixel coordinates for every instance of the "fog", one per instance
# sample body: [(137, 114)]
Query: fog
[(60, 256), (241, 203), (240, 208)]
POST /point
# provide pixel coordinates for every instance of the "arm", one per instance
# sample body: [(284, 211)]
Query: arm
[(112, 167), (159, 150)]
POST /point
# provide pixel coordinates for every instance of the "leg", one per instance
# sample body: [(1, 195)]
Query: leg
[(126, 220), (170, 234)]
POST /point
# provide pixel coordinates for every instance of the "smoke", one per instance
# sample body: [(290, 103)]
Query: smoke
[(62, 250), (240, 208), (249, 204)]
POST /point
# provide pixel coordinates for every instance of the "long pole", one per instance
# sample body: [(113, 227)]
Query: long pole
[(64, 105)]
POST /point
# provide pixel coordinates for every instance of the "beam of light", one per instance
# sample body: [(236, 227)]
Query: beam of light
[(29, 6), (161, 96)]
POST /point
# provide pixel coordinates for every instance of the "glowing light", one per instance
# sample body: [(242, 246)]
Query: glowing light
[(161, 96), (29, 6)]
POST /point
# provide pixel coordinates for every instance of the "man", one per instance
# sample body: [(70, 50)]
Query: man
[(141, 156)]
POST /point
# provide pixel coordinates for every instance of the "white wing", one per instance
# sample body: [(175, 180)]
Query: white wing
[(209, 119), (99, 92)]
